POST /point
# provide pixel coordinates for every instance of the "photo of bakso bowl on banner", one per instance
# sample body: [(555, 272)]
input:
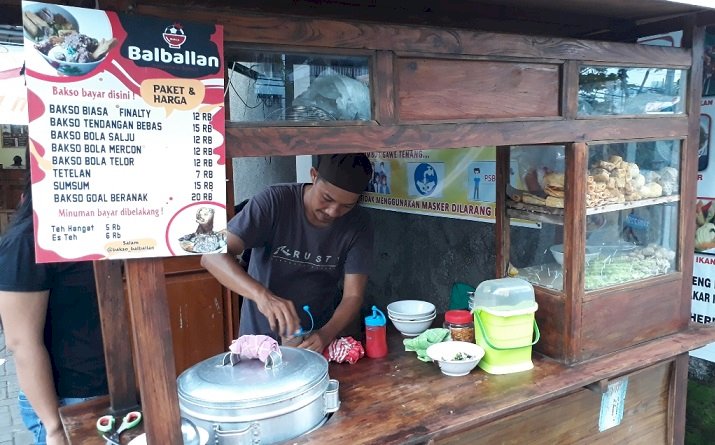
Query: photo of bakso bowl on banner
[(72, 47), (197, 228)]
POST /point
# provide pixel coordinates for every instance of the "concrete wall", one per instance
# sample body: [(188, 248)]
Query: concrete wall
[(251, 175), (421, 257)]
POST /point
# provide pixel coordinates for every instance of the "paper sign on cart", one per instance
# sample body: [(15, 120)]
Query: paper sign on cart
[(127, 149), (612, 403)]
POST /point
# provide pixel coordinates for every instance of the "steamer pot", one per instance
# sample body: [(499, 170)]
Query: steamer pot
[(244, 402)]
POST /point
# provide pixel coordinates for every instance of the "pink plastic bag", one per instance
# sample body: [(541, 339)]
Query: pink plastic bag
[(344, 349), (254, 346)]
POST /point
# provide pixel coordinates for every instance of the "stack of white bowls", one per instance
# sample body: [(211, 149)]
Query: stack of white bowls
[(411, 317)]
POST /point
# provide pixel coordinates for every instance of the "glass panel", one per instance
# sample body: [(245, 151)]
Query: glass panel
[(630, 91), (271, 86), (537, 253), (631, 245), (633, 210), (631, 216)]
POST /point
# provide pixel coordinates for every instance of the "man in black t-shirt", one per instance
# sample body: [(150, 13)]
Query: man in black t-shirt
[(306, 238)]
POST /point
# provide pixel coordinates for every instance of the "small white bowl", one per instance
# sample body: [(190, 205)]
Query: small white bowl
[(429, 316), (410, 328), (456, 358), (557, 250), (410, 308)]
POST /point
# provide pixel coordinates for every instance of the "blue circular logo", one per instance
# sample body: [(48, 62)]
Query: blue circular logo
[(425, 179)]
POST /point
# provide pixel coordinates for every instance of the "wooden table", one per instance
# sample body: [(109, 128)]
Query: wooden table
[(401, 400), (79, 421)]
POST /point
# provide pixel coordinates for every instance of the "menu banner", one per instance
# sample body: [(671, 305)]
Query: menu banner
[(703, 290), (126, 134), (457, 183)]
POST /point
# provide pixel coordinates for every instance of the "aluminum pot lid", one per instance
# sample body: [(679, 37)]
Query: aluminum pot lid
[(249, 383)]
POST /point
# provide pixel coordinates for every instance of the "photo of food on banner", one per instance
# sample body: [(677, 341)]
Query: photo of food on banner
[(74, 45), (204, 238), (705, 226)]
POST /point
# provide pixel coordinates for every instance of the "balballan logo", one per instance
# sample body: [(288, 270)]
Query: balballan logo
[(174, 36)]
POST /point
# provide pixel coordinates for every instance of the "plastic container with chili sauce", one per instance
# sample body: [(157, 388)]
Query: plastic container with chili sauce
[(375, 334), (460, 324)]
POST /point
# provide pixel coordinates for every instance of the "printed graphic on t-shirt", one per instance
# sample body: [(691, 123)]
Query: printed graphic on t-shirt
[(290, 255)]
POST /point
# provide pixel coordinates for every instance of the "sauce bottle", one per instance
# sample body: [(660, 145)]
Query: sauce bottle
[(375, 334)]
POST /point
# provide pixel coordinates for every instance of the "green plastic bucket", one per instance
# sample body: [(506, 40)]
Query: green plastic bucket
[(507, 335)]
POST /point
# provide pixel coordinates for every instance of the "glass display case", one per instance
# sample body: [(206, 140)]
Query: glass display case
[(266, 86), (632, 210)]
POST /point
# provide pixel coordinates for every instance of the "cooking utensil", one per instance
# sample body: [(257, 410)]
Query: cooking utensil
[(248, 402), (106, 423)]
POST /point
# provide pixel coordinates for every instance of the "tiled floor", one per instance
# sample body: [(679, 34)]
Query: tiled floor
[(12, 431)]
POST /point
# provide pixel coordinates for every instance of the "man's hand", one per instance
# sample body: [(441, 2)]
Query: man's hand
[(315, 341), (280, 313)]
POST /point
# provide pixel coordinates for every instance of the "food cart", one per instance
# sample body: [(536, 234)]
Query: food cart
[(446, 75)]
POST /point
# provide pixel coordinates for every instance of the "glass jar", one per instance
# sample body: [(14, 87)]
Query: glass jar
[(460, 324)]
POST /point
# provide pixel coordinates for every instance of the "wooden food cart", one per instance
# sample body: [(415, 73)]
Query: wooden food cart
[(446, 75)]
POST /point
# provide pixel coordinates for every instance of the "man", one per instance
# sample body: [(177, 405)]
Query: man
[(305, 239), (17, 162)]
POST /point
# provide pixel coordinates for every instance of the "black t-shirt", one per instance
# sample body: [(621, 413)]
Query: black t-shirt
[(73, 333), (297, 260)]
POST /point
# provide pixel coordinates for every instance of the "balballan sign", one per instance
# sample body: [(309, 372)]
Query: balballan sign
[(183, 50), (175, 37)]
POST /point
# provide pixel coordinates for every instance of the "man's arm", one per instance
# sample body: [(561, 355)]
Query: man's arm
[(227, 270), (346, 312), (23, 317)]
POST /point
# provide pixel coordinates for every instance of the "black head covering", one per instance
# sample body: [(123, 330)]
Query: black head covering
[(350, 172)]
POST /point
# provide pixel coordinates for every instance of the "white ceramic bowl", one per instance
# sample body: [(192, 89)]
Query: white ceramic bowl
[(429, 316), (410, 328), (456, 358), (410, 308), (71, 68), (557, 250)]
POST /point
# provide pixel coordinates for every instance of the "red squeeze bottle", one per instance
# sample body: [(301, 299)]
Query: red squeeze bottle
[(375, 334)]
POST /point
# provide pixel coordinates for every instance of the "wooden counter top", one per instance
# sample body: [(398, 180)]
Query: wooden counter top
[(402, 400)]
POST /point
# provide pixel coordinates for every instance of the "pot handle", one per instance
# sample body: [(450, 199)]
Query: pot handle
[(332, 397), (274, 360), (248, 436)]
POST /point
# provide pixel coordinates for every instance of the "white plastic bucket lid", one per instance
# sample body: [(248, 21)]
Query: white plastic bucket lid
[(504, 293)]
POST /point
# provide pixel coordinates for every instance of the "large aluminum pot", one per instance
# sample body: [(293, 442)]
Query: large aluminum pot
[(248, 403)]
